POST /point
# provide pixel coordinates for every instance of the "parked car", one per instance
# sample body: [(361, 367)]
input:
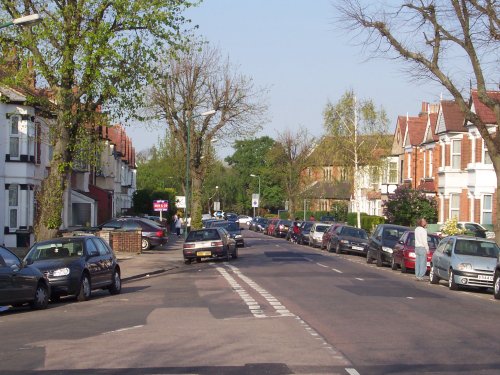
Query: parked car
[(328, 219), (316, 233), (244, 219), (76, 266), (496, 280), (305, 230), (21, 283), (231, 216), (151, 233), (257, 224), (475, 229), (281, 228), (348, 239), (464, 261), (382, 241), (328, 235), (270, 226), (233, 229), (404, 256), (212, 243)]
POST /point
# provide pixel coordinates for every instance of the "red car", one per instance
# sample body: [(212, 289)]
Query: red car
[(404, 251), (328, 235)]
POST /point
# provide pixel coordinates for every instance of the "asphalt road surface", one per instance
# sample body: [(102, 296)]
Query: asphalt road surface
[(278, 309)]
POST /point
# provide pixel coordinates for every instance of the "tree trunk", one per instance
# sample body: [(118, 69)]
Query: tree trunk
[(196, 207)]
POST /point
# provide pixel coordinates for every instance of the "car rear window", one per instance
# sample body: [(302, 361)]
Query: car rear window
[(203, 235)]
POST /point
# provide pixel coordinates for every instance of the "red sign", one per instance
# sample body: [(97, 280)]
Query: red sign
[(160, 205)]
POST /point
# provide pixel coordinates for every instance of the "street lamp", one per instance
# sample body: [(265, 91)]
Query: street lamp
[(23, 21), (253, 175), (188, 161), (210, 198)]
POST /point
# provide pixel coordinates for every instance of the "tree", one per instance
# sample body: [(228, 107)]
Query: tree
[(249, 157), (357, 133), (453, 42), (406, 205), (90, 55), (197, 81), (288, 158)]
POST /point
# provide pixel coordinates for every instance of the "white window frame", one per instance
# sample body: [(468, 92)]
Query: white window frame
[(431, 165), (486, 156), (454, 155), (14, 137), (13, 204), (454, 210), (392, 168), (486, 210)]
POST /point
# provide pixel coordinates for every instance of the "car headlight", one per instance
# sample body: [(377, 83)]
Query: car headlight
[(412, 255), (61, 272), (344, 241), (238, 236), (465, 267), (387, 249)]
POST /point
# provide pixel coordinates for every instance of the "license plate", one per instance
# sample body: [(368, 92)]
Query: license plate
[(357, 248), (428, 264), (484, 277), (203, 253)]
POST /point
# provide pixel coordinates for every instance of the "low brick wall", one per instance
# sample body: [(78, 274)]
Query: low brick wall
[(123, 241)]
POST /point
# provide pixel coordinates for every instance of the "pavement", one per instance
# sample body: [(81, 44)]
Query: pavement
[(152, 262)]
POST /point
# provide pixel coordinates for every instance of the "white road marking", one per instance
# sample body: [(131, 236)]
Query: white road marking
[(410, 298), (322, 265), (336, 270), (352, 371), (122, 329), (360, 279)]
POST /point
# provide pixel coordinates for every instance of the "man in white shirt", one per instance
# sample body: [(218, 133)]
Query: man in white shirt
[(421, 249)]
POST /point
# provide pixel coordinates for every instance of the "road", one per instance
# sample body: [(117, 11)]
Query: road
[(278, 309)]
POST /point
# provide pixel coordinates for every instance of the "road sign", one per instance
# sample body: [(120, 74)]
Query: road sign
[(255, 200), (180, 201), (216, 206), (160, 205)]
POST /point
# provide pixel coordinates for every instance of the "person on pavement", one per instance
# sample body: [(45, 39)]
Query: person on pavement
[(178, 226), (421, 249)]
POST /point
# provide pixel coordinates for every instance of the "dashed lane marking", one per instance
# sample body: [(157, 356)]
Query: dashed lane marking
[(122, 329), (352, 371), (336, 270), (360, 279)]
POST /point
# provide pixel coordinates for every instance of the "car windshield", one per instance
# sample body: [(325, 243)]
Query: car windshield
[(476, 248), (354, 232), (56, 249), (203, 235), (321, 228), (393, 234), (307, 226), (432, 241), (231, 227)]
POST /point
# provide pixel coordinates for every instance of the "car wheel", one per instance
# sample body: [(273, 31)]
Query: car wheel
[(116, 283), (41, 299), (403, 267), (329, 247), (433, 278), (451, 281), (85, 291), (188, 261), (394, 265), (379, 260), (496, 286), (369, 259), (337, 249), (145, 244)]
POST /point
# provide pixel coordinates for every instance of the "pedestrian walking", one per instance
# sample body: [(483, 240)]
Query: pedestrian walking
[(178, 226), (421, 249)]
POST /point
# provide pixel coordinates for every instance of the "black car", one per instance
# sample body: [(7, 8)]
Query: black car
[(21, 283), (151, 233), (76, 266), (348, 239), (382, 242), (233, 229), (281, 228), (305, 228), (258, 224)]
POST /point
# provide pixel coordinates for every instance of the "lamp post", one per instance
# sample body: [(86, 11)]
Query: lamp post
[(22, 21), (253, 175), (210, 198), (188, 163)]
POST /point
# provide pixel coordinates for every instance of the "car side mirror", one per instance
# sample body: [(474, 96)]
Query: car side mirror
[(401, 242)]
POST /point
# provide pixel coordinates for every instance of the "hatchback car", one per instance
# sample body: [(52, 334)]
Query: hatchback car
[(212, 243), (281, 228), (404, 256), (381, 243), (76, 266), (496, 280), (233, 229), (316, 233), (328, 235), (21, 283), (464, 261), (151, 233), (305, 230), (244, 219), (348, 239)]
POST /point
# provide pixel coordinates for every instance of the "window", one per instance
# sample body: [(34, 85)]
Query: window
[(429, 170), (14, 137), (454, 205), (393, 173), (13, 205), (486, 155), (327, 173), (487, 214), (456, 150)]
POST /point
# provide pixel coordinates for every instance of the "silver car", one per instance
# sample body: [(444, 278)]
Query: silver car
[(316, 233), (464, 261)]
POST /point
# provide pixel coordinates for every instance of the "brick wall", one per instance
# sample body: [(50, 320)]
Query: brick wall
[(479, 150), (123, 241), (466, 152)]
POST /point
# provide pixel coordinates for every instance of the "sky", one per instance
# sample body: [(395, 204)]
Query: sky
[(296, 50)]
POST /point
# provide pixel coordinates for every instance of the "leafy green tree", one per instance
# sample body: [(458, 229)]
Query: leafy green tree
[(91, 55), (405, 206)]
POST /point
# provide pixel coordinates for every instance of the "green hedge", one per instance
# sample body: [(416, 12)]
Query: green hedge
[(368, 222)]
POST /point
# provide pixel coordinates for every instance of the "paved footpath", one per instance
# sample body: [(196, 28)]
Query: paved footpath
[(151, 262)]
